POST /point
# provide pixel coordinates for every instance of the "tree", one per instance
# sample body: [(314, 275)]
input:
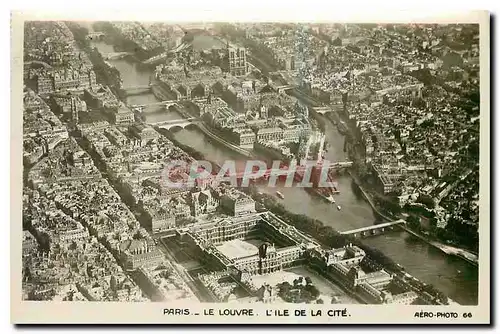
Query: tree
[(413, 222), (320, 301), (426, 200), (308, 280), (311, 291), (27, 274), (73, 245), (285, 285), (71, 295)]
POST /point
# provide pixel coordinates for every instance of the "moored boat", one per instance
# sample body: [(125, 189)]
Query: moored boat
[(330, 199)]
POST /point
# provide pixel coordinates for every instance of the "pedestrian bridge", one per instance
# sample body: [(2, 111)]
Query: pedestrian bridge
[(182, 123), (166, 104), (116, 55), (137, 90), (374, 229), (322, 110)]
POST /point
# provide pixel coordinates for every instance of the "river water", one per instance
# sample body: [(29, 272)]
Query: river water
[(455, 277)]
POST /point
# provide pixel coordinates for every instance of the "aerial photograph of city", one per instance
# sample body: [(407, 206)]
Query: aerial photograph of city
[(316, 163)]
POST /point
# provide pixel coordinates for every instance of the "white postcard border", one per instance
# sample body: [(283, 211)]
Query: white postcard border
[(25, 312)]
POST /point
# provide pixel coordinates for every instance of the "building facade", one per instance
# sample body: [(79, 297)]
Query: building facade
[(245, 137), (123, 116), (161, 222), (29, 242), (269, 259), (138, 253), (203, 202), (237, 203), (269, 134), (237, 61)]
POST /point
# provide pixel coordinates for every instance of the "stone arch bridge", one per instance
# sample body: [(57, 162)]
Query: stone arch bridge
[(181, 123)]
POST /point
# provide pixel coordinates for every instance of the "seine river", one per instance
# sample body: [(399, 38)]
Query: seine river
[(455, 277)]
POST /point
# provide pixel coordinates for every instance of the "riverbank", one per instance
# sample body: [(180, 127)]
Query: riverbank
[(105, 73), (224, 142), (368, 198), (187, 149), (323, 233), (431, 266), (328, 237), (123, 43), (333, 119), (203, 128), (447, 249)]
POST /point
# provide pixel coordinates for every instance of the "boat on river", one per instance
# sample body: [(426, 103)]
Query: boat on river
[(280, 195), (342, 127), (329, 198)]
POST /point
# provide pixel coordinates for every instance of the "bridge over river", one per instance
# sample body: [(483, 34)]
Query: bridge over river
[(95, 35), (176, 123), (167, 104), (374, 229), (137, 90), (116, 55)]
